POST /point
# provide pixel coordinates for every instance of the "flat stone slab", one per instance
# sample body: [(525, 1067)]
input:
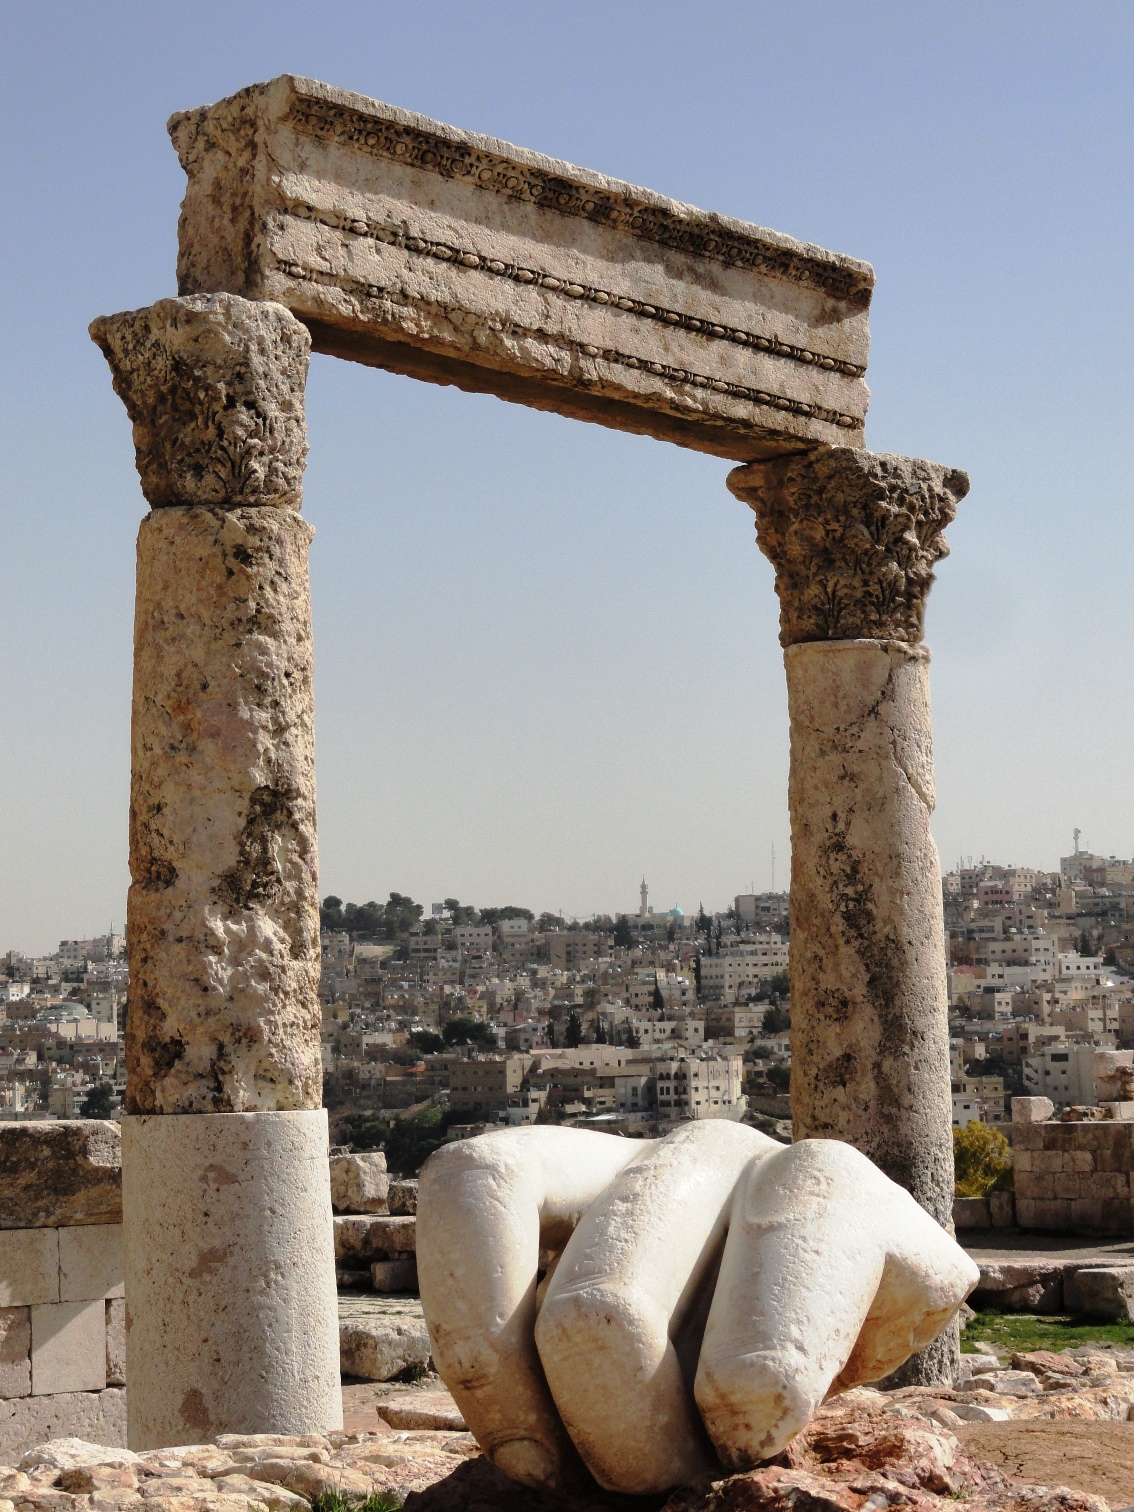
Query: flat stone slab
[(382, 1337), (60, 1172), (409, 245)]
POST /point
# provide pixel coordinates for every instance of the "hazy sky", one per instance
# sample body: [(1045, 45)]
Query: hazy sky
[(546, 652)]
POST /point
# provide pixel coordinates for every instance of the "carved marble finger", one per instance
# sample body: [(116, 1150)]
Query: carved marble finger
[(628, 1301), (485, 1208), (832, 1274)]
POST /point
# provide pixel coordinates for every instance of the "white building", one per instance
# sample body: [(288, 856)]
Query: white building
[(706, 1087)]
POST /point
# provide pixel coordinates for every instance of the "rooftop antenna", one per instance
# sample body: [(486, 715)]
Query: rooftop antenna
[(1076, 834), (773, 866)]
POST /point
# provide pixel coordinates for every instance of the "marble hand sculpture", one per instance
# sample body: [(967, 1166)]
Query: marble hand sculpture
[(706, 1292)]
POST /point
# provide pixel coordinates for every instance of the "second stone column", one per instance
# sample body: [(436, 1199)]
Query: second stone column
[(230, 1280), (853, 537)]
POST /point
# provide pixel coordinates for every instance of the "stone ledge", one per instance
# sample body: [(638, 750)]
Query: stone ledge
[(60, 1173)]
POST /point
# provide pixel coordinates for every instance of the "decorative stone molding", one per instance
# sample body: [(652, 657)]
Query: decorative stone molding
[(409, 245), (853, 536), (214, 386)]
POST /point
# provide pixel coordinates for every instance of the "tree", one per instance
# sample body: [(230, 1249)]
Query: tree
[(467, 1031), (99, 1101), (550, 921), (658, 1001), (773, 987), (780, 1077), (776, 1020), (1085, 943), (697, 973), (426, 1041), (573, 1034), (461, 913), (982, 1161), (623, 934), (600, 1033), (509, 911)]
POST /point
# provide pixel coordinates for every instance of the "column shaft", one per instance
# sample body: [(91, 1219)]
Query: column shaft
[(229, 1252)]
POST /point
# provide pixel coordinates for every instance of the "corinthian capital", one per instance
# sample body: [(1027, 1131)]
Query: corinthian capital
[(214, 386), (853, 536)]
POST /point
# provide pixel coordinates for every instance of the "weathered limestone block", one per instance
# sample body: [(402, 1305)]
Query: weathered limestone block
[(391, 1276), (232, 1324), (1002, 1207), (57, 1174), (90, 1262), (359, 1183), (402, 1197), (29, 1266), (68, 1347), (829, 1275), (96, 1417), (214, 387), (15, 1352), (971, 1213), (382, 1348), (404, 243), (1027, 1110), (116, 1341), (363, 1237), (1106, 1292)]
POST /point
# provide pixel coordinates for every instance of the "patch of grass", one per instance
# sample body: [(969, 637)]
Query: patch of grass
[(1024, 1331), (334, 1501)]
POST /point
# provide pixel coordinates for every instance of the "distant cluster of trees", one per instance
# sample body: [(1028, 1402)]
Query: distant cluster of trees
[(395, 918)]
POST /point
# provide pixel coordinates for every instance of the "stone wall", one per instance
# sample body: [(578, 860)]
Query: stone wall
[(1073, 1174), (62, 1308)]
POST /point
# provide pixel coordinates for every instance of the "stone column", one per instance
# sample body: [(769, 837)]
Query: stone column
[(853, 537), (229, 1255)]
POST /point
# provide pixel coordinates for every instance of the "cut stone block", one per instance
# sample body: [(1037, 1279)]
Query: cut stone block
[(359, 1183), (15, 1352), (406, 244), (60, 1172), (402, 1197), (68, 1347), (1002, 1206), (394, 1275), (380, 1349), (29, 1266), (971, 1213), (1106, 1292), (97, 1417), (433, 1409), (1027, 1110), (90, 1263), (373, 1238), (116, 1342)]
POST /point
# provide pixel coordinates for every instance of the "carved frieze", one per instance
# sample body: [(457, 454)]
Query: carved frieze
[(214, 386), (853, 536), (409, 245)]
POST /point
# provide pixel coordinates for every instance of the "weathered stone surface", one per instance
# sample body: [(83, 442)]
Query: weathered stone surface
[(1002, 1208), (409, 245), (214, 386), (359, 1183), (362, 1237), (230, 1276), (380, 1349), (223, 922), (116, 1342), (29, 1266), (853, 536), (95, 1416), (971, 1213), (391, 1276), (402, 1197), (869, 997), (423, 1409), (90, 1262), (15, 1352), (1026, 1110), (60, 1173), (1106, 1292), (68, 1347)]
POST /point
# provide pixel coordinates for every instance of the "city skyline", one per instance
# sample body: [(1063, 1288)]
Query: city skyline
[(544, 649)]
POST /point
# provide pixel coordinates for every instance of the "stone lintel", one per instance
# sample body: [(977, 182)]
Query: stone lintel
[(853, 536), (409, 245)]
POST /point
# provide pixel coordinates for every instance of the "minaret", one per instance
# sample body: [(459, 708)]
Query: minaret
[(644, 911)]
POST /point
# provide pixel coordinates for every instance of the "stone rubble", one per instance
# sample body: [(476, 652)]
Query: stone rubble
[(864, 1451)]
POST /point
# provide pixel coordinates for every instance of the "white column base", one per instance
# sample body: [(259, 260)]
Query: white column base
[(232, 1310)]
